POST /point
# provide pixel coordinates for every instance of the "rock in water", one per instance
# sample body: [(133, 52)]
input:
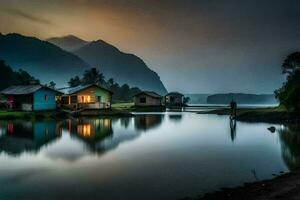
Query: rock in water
[(272, 129)]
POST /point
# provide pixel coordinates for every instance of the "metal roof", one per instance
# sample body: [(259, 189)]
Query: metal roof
[(150, 93), (73, 90), (24, 89), (174, 94)]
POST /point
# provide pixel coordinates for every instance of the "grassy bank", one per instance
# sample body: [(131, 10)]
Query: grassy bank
[(273, 115), (129, 107), (29, 115)]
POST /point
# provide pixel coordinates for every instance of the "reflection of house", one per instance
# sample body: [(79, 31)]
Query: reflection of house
[(22, 136), (146, 122), (147, 99), (31, 97), (90, 130), (89, 96), (174, 99)]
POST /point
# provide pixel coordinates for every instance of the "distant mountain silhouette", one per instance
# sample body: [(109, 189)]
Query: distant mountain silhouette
[(123, 67), (68, 43), (41, 59), (241, 98)]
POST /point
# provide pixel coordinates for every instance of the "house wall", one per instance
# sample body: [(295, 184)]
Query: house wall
[(177, 99), (150, 101), (39, 101), (94, 92)]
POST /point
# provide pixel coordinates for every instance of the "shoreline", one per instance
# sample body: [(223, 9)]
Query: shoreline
[(282, 187), (266, 115)]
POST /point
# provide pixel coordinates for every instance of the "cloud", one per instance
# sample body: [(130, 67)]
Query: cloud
[(27, 16)]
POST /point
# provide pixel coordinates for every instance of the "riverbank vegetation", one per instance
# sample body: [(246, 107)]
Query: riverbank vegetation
[(122, 93)]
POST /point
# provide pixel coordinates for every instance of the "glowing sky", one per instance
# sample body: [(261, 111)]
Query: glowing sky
[(200, 46)]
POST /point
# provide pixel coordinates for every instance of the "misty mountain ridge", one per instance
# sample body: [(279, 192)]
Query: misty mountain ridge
[(68, 43), (49, 62), (41, 59), (113, 63)]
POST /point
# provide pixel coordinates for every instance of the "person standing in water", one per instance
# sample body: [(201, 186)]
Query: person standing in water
[(233, 107)]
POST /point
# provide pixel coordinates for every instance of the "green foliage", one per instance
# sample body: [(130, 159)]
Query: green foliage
[(74, 82), (289, 94), (92, 76), (9, 77), (291, 63), (121, 93), (52, 84)]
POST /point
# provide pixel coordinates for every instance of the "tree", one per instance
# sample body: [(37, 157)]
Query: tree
[(93, 76), (24, 78), (9, 77), (291, 63), (52, 85), (289, 94), (74, 82), (186, 100), (110, 82)]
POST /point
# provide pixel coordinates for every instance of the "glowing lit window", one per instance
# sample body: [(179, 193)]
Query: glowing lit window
[(84, 130), (85, 99)]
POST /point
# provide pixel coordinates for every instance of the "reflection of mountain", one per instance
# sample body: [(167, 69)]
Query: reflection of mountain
[(290, 145), (146, 122), (22, 136)]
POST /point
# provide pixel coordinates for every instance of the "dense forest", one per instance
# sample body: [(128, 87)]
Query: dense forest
[(289, 94), (10, 77)]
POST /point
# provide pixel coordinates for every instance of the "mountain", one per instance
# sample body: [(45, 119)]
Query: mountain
[(68, 43), (41, 59), (197, 98), (123, 67), (241, 98)]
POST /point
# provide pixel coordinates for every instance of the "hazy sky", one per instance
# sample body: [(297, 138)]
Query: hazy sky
[(196, 46)]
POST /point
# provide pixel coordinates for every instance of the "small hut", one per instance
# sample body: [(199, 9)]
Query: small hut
[(174, 99), (86, 97), (147, 98), (31, 97)]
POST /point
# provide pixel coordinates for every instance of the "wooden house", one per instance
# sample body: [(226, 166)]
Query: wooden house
[(86, 97), (146, 98), (31, 97), (174, 99)]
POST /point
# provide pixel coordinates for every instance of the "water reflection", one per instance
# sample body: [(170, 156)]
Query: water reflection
[(232, 129), (290, 143), (26, 136), (175, 117), (147, 122), (20, 136), (122, 158)]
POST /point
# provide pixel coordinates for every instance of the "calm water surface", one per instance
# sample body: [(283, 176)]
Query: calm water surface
[(151, 156)]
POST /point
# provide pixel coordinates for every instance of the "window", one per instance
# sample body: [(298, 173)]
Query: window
[(84, 99), (99, 98), (143, 100), (46, 97)]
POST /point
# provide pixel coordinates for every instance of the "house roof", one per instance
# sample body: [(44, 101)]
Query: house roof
[(24, 89), (174, 94), (73, 90), (149, 93)]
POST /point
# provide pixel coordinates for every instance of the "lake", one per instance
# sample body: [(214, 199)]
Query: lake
[(151, 156)]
